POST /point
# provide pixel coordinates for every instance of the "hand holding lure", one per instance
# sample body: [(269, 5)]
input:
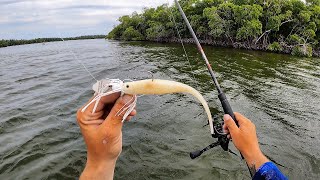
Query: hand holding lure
[(145, 87)]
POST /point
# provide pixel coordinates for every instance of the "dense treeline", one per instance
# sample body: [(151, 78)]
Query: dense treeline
[(13, 42), (287, 26)]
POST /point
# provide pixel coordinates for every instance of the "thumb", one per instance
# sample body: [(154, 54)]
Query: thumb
[(231, 125), (116, 114)]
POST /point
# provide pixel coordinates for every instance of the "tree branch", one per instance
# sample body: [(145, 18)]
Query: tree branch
[(285, 22), (262, 35)]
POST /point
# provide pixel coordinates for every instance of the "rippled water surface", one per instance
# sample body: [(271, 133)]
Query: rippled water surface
[(42, 86)]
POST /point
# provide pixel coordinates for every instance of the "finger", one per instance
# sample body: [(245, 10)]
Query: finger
[(92, 116), (102, 102), (94, 122), (83, 117), (129, 118), (110, 99), (231, 125), (241, 119), (108, 108), (133, 112), (113, 118), (225, 129)]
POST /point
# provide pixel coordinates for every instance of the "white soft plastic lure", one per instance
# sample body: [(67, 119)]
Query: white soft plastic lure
[(144, 87)]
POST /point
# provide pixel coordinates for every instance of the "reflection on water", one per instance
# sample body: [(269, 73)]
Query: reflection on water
[(43, 85)]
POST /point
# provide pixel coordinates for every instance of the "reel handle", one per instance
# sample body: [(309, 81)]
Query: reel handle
[(198, 153), (195, 154)]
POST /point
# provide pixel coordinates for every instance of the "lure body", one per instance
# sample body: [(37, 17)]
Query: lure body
[(160, 87), (145, 87)]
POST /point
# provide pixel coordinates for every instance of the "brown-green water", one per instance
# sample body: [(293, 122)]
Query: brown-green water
[(43, 85)]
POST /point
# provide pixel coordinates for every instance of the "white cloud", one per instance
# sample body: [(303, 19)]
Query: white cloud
[(34, 18)]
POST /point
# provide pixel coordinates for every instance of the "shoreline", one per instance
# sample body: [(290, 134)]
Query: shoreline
[(15, 42), (237, 45), (208, 42)]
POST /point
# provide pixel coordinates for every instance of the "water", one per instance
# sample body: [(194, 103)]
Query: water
[(42, 86)]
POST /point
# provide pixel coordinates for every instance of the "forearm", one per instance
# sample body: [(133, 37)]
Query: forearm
[(99, 170), (261, 167), (255, 159)]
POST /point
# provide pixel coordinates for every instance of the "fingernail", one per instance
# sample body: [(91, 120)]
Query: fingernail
[(226, 117)]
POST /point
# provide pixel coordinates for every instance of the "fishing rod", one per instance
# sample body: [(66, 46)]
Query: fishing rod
[(223, 140), (222, 97)]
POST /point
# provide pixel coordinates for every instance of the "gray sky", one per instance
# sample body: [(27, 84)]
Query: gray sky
[(25, 19)]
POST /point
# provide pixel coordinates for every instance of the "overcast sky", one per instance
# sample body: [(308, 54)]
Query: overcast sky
[(25, 19)]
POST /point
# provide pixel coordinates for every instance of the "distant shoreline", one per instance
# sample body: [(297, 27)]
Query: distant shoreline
[(15, 42)]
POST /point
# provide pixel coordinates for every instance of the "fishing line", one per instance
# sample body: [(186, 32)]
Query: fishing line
[(75, 57), (178, 32)]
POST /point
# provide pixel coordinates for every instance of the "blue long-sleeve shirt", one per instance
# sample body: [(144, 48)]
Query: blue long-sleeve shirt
[(269, 171)]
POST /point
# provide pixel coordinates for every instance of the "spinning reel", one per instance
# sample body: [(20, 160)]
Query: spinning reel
[(223, 140)]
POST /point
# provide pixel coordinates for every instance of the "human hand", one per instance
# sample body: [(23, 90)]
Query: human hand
[(245, 139), (103, 136)]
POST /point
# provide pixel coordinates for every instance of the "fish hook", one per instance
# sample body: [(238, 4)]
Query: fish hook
[(151, 75)]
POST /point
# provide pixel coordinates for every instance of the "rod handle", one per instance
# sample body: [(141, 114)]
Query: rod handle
[(226, 106), (227, 110)]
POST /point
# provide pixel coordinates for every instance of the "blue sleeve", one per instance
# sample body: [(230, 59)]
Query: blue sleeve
[(269, 171)]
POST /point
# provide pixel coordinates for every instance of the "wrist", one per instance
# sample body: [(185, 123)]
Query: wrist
[(255, 159), (103, 170)]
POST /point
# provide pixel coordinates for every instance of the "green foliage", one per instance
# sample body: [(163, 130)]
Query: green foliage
[(221, 20), (252, 23), (275, 47), (131, 34), (250, 29), (294, 39), (303, 51), (216, 23), (197, 21), (155, 31), (115, 33), (246, 13), (304, 16)]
